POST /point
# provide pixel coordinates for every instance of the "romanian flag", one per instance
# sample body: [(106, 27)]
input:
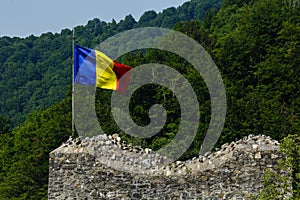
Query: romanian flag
[(92, 67)]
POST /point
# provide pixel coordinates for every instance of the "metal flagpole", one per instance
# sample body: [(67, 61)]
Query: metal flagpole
[(73, 85)]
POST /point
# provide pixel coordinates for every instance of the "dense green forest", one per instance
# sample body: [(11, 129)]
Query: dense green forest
[(255, 44)]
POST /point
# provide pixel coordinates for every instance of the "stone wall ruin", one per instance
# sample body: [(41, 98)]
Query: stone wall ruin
[(104, 167)]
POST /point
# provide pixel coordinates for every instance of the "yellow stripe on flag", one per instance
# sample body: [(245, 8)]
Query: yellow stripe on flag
[(105, 76)]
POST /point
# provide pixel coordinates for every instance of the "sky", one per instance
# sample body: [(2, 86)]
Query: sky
[(22, 18)]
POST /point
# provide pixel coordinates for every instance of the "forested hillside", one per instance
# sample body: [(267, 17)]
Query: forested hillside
[(255, 44), (35, 72)]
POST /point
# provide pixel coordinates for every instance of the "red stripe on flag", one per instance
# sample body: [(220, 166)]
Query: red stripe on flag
[(120, 71)]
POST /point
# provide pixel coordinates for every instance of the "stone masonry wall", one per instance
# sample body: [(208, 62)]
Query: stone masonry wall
[(104, 167)]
